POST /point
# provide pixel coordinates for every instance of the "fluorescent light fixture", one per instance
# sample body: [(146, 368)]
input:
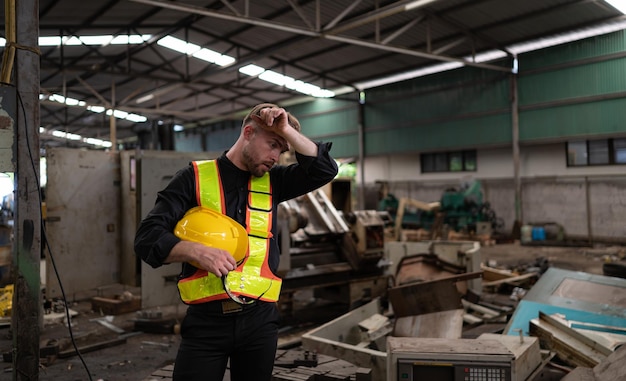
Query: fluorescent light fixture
[(72, 40), (136, 118), (274, 77), (117, 113), (75, 137), (417, 4), (196, 51), (97, 142), (96, 109), (122, 39), (620, 5), (409, 75), (305, 88), (214, 57), (68, 101), (486, 56), (49, 41), (251, 70), (96, 40), (145, 98), (178, 128), (178, 45), (286, 81), (133, 39)]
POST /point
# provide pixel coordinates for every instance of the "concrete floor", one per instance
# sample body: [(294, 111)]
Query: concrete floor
[(585, 259), (143, 354)]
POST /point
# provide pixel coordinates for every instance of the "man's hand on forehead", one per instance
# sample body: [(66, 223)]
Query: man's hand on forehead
[(272, 117)]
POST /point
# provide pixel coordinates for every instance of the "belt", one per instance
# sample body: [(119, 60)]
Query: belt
[(224, 306)]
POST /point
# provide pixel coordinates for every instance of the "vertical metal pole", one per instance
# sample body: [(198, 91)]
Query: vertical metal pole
[(588, 204), (112, 122), (515, 141), (361, 126), (27, 312)]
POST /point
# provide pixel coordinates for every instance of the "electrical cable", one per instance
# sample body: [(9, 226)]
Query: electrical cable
[(44, 236)]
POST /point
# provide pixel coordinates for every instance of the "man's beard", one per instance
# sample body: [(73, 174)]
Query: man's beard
[(255, 169)]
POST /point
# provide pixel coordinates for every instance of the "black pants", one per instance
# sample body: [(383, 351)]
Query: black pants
[(210, 338)]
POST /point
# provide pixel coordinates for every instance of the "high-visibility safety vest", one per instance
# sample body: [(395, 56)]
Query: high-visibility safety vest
[(252, 278)]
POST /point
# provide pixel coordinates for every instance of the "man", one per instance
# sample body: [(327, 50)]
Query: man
[(244, 183)]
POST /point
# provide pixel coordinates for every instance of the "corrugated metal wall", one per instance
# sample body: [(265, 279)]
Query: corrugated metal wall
[(574, 90), (457, 109), (332, 119)]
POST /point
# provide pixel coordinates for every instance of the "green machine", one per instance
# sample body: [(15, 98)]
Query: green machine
[(460, 209)]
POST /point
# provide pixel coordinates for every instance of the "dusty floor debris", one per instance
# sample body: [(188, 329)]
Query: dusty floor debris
[(117, 351)]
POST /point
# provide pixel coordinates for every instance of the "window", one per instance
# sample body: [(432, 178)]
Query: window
[(576, 153), (457, 161), (596, 152), (619, 149)]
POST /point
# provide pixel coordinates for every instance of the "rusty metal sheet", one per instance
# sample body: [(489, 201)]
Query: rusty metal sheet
[(426, 297)]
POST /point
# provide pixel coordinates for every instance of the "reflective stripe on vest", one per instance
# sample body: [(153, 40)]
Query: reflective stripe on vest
[(253, 277)]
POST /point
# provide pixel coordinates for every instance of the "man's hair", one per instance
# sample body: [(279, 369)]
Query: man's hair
[(256, 110)]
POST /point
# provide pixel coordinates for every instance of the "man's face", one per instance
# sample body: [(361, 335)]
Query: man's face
[(263, 151)]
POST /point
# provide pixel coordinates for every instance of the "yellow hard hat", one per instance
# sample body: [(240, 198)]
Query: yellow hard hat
[(213, 229)]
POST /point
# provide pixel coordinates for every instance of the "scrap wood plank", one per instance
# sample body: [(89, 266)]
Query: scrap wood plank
[(92, 347), (491, 274), (374, 327), (373, 322), (115, 305), (487, 313), (514, 280)]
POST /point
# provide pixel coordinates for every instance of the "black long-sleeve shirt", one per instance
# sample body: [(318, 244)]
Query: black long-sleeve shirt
[(155, 238)]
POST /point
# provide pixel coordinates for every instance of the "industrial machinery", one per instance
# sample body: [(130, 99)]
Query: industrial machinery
[(460, 209), (490, 357), (334, 253)]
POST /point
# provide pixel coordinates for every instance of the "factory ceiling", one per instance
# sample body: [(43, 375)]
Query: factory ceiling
[(339, 45)]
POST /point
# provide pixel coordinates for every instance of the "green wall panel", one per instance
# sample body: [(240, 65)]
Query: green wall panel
[(344, 146), (333, 120), (464, 77), (330, 124), (576, 120), (588, 48), (457, 134), (586, 80), (469, 104), (323, 105)]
